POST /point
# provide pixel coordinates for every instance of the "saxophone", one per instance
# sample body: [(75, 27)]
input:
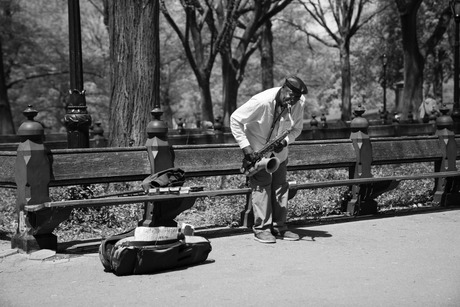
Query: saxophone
[(260, 162)]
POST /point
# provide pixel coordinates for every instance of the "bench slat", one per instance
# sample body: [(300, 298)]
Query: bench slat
[(99, 165), (111, 201), (404, 151), (205, 160), (316, 155), (7, 162), (355, 181)]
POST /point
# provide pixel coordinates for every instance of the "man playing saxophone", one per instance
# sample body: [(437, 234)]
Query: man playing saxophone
[(255, 124)]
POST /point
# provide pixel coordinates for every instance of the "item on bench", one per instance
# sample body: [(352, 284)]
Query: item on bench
[(171, 177), (174, 190), (187, 229), (156, 233), (121, 194), (123, 255), (197, 189)]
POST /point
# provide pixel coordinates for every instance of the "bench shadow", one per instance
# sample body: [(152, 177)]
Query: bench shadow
[(5, 236), (79, 246), (312, 234), (176, 269)]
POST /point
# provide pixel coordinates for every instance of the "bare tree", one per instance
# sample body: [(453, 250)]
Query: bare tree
[(210, 30), (414, 55), (413, 59), (347, 18), (200, 38), (250, 17)]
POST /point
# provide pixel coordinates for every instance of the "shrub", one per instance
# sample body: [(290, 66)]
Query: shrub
[(309, 204)]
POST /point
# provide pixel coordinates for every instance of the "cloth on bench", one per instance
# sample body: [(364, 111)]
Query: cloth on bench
[(171, 177)]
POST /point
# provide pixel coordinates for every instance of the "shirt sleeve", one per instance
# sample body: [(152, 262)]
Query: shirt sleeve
[(250, 111), (297, 117)]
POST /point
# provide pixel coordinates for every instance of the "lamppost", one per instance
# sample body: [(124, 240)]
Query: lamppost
[(455, 7), (76, 119), (384, 85)]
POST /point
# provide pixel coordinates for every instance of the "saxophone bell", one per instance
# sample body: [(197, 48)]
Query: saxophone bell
[(270, 165)]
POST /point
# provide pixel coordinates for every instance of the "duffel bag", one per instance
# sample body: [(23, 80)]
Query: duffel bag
[(122, 255)]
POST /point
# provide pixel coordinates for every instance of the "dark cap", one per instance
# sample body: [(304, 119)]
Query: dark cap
[(296, 85)]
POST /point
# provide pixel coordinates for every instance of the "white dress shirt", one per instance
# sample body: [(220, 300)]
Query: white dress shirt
[(251, 123)]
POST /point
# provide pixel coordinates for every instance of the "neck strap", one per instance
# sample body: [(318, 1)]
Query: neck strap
[(275, 119)]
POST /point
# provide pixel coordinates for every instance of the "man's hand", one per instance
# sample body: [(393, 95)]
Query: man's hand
[(279, 146), (249, 154)]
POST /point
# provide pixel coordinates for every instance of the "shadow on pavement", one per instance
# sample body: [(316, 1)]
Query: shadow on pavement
[(312, 234)]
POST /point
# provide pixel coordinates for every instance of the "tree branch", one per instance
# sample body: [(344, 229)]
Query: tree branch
[(438, 33), (181, 36), (47, 74), (308, 33)]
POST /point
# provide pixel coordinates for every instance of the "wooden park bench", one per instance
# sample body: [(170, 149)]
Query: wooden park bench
[(33, 169)]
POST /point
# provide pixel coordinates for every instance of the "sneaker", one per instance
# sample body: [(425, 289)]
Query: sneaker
[(264, 237), (286, 235)]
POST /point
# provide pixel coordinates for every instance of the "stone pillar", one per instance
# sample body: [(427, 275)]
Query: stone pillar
[(159, 151), (361, 142), (33, 174), (362, 169), (363, 195), (160, 213), (312, 133), (218, 131), (323, 121), (313, 122), (98, 140), (446, 189), (399, 95)]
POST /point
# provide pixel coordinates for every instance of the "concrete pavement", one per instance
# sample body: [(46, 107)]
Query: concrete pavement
[(409, 260)]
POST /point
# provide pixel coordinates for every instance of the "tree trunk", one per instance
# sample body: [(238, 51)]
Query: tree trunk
[(438, 77), (346, 81), (413, 84), (166, 102), (230, 90), (266, 56), (413, 60), (6, 120), (206, 101), (133, 55)]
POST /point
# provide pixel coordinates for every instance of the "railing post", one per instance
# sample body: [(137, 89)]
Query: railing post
[(33, 174), (218, 131), (160, 158), (323, 121), (362, 144), (363, 195), (446, 189), (314, 127), (98, 140), (161, 213), (363, 149), (159, 151)]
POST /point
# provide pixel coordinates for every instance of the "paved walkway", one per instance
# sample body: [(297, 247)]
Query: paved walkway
[(411, 260)]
